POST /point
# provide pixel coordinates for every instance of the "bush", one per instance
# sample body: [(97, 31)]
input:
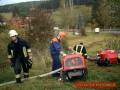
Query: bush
[(64, 45), (83, 31), (3, 25), (42, 29), (113, 43), (3, 46)]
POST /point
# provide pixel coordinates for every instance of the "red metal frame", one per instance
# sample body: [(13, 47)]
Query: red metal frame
[(73, 56), (111, 55)]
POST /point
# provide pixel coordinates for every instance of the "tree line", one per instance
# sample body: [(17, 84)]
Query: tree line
[(106, 13), (50, 4)]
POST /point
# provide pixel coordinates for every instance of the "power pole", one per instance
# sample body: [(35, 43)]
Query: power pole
[(71, 4), (63, 4)]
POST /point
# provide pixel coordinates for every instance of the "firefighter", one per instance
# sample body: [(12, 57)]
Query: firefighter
[(80, 48), (55, 50), (19, 53)]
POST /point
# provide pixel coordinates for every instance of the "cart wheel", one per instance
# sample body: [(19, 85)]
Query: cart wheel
[(99, 62), (107, 62), (83, 77), (69, 78), (85, 74), (118, 60), (64, 76)]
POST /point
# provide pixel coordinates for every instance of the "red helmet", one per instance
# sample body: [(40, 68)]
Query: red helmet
[(62, 34)]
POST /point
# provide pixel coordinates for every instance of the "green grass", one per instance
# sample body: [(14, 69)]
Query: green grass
[(6, 75), (3, 46), (7, 16), (42, 64), (95, 74)]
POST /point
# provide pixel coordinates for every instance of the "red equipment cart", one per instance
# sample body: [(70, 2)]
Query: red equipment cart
[(107, 57), (74, 65)]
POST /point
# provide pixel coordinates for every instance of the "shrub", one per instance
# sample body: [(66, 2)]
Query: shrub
[(113, 43), (42, 28)]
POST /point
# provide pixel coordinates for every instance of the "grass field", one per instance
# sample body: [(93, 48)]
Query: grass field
[(3, 46), (66, 16), (42, 64), (7, 16)]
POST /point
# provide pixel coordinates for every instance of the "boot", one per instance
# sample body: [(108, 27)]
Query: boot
[(26, 76), (18, 80)]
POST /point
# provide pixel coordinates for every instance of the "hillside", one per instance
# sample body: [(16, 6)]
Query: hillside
[(24, 7)]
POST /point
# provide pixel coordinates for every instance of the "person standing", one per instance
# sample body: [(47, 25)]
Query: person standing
[(19, 54), (55, 50)]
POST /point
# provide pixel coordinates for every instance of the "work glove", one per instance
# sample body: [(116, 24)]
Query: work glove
[(30, 57), (62, 53), (29, 63), (85, 56), (12, 62)]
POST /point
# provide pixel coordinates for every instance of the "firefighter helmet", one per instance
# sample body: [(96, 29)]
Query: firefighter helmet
[(13, 33)]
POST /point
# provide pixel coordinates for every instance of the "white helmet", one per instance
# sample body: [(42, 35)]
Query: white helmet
[(13, 33)]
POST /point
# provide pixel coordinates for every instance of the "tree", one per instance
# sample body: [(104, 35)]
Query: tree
[(115, 12), (81, 25), (1, 21), (95, 8), (55, 4), (104, 17), (106, 13), (42, 28), (15, 11), (1, 18)]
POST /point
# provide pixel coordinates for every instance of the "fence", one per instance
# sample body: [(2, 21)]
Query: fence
[(4, 66), (115, 31)]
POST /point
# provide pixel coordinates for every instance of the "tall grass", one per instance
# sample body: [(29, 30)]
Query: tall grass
[(113, 43), (42, 64), (3, 46)]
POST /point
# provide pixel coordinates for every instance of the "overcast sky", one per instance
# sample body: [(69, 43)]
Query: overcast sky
[(3, 2)]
